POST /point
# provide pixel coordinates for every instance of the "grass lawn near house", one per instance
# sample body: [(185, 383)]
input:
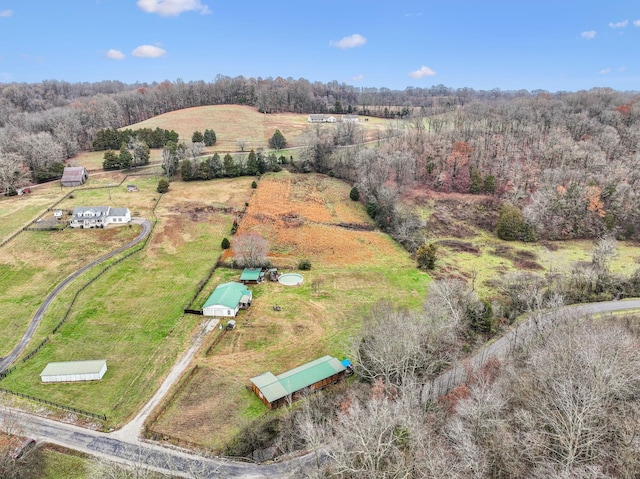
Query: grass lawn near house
[(132, 315)]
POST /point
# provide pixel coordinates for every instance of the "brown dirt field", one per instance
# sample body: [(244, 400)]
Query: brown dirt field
[(231, 123), (300, 216)]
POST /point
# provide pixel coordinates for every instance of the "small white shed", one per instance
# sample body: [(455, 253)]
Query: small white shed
[(68, 371)]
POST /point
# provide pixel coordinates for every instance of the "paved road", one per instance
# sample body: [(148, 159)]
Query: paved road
[(124, 446), (502, 346), (35, 321), (174, 461)]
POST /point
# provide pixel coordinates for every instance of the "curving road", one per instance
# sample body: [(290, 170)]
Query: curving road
[(35, 321), (125, 446), (534, 325)]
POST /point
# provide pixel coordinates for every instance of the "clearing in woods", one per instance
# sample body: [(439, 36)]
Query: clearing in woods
[(302, 216), (232, 123)]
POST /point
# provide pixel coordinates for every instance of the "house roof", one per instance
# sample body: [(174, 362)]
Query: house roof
[(74, 173), (276, 387), (98, 210), (250, 274), (74, 367), (228, 294), (118, 211)]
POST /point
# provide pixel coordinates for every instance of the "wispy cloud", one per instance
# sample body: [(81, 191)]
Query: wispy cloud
[(588, 35), (172, 8), (636, 23), (621, 24), (604, 71), (358, 77), (355, 40), (422, 72), (622, 69), (416, 14), (115, 54), (148, 51), (5, 13)]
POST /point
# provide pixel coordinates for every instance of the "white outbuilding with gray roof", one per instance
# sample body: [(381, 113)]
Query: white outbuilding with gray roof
[(68, 371)]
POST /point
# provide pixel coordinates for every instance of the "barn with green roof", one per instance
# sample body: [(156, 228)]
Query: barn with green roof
[(275, 391), (227, 299)]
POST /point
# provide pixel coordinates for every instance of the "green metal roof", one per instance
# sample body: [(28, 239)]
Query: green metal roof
[(276, 387), (73, 367), (228, 294), (250, 274), (269, 386)]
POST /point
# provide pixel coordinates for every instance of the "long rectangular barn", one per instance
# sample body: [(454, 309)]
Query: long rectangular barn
[(275, 391), (71, 371)]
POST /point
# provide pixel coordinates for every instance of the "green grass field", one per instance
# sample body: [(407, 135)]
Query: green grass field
[(317, 318), (132, 315)]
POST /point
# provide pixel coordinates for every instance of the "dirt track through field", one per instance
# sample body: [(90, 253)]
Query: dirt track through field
[(35, 321)]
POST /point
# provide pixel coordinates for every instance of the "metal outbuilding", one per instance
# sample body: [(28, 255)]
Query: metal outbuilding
[(274, 391), (69, 371)]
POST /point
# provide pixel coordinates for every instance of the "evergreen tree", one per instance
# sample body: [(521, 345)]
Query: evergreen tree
[(111, 160), (354, 194), (426, 255), (126, 158), (163, 185), (197, 137), (228, 165), (186, 170), (209, 137), (252, 163), (277, 141)]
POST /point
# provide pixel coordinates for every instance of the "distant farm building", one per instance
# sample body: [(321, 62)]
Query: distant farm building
[(74, 176), (320, 118), (227, 299), (349, 119), (252, 276), (71, 371), (274, 391), (132, 188), (99, 216)]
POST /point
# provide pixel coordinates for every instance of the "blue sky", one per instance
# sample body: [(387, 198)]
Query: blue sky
[(554, 45)]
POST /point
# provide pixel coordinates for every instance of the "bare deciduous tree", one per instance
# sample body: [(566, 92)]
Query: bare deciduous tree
[(250, 250)]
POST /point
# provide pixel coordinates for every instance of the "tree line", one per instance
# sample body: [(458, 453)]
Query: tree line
[(565, 160)]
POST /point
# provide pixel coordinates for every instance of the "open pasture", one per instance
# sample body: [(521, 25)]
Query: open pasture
[(132, 314), (237, 122), (316, 318), (35, 261)]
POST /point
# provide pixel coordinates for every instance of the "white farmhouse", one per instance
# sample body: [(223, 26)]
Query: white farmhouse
[(99, 216)]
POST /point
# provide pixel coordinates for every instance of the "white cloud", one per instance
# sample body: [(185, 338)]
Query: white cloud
[(604, 71), (588, 35), (355, 40), (148, 51), (621, 69), (115, 54), (422, 72), (172, 8), (358, 77), (5, 13), (621, 24), (636, 23)]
